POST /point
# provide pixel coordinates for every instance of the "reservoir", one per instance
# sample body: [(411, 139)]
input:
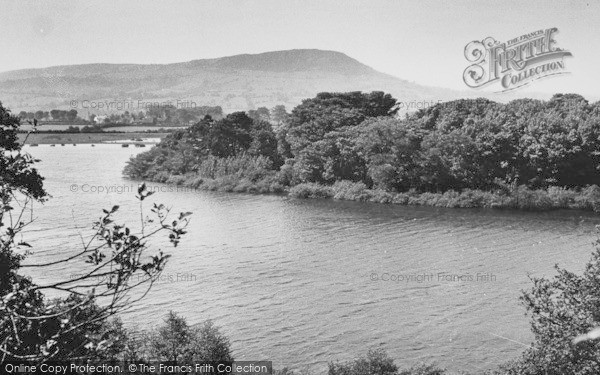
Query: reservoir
[(305, 282)]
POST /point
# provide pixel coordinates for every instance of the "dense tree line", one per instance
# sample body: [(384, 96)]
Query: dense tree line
[(182, 152), (55, 114), (357, 137), (473, 144), (182, 116)]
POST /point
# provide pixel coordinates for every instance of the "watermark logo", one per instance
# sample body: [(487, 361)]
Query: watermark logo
[(126, 189), (433, 277), (129, 104), (415, 105), (514, 63)]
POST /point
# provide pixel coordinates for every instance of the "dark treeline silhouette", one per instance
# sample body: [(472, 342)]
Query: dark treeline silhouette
[(472, 152)]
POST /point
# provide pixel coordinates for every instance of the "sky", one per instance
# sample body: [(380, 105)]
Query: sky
[(420, 41)]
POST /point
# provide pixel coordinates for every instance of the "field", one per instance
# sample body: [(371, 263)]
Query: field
[(58, 138)]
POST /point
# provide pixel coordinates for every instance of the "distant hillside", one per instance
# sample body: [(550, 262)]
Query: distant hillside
[(238, 82)]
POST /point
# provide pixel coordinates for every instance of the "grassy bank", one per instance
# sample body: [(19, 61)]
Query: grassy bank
[(58, 138), (520, 198), (240, 180)]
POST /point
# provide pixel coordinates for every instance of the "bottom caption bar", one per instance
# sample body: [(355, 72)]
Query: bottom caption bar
[(63, 368)]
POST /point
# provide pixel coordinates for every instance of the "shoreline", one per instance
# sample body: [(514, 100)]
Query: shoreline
[(87, 138), (521, 198)]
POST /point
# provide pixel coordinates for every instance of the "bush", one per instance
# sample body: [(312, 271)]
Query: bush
[(381, 196), (423, 369), (353, 191), (242, 166), (526, 199), (589, 199), (176, 180), (311, 190), (376, 362), (286, 175), (562, 308), (175, 340), (562, 197)]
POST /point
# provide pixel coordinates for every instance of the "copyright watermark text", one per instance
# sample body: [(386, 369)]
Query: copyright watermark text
[(125, 189), (131, 105), (415, 105), (435, 277)]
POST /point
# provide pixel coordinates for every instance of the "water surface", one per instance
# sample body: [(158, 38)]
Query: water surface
[(304, 282)]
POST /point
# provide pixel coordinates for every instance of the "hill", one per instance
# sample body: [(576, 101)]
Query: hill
[(239, 82)]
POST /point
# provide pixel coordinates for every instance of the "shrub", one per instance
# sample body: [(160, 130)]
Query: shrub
[(423, 369), (175, 340), (311, 190), (176, 180), (286, 175), (382, 196), (348, 190), (562, 308), (376, 362), (561, 197), (241, 166), (524, 198), (589, 199)]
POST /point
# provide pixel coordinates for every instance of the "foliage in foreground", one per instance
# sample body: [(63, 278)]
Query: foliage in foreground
[(562, 308), (176, 341), (74, 326), (375, 362)]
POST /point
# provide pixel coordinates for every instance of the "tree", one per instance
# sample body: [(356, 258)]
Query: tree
[(279, 115), (209, 344), (376, 362), (260, 114), (311, 120), (226, 137), (263, 113), (562, 308), (391, 150), (172, 341), (176, 341), (264, 141)]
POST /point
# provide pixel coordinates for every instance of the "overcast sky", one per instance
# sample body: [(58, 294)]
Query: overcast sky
[(421, 41)]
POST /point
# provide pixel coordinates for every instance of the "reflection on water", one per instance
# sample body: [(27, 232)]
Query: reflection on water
[(303, 282)]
